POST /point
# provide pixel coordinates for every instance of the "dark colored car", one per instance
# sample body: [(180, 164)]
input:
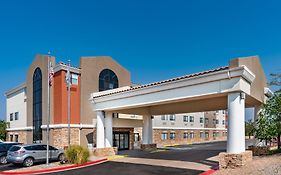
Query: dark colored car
[(4, 147)]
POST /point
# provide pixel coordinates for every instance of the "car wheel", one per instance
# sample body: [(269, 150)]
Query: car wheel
[(61, 157), (3, 160), (28, 162)]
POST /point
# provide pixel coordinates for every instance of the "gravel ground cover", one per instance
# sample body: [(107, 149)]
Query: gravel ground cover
[(266, 165)]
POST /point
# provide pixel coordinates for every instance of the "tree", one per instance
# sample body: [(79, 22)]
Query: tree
[(269, 122), (3, 127), (249, 128)]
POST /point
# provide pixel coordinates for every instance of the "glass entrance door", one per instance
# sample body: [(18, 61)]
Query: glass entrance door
[(121, 140)]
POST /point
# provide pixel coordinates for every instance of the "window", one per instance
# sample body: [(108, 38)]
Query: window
[(185, 135), (172, 135), (206, 135), (163, 117), (16, 115), (137, 137), (16, 138), (11, 138), (201, 120), (11, 117), (172, 117), (185, 118), (164, 136), (37, 105), (223, 122), (206, 120), (107, 80), (15, 148), (217, 121), (214, 121), (201, 135), (74, 79), (191, 119), (191, 135)]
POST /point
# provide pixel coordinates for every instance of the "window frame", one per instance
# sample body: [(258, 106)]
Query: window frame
[(191, 119), (172, 136), (185, 118), (11, 116), (16, 115)]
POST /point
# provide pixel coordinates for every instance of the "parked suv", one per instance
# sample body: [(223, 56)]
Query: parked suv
[(27, 155), (4, 147)]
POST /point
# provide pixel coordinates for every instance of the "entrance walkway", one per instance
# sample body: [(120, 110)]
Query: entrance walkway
[(200, 157)]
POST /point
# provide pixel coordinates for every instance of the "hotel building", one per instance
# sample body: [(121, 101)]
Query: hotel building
[(27, 109)]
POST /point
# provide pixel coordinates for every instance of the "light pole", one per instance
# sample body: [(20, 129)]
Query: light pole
[(68, 81)]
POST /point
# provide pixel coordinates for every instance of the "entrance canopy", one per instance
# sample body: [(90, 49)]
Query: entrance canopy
[(203, 91), (240, 84)]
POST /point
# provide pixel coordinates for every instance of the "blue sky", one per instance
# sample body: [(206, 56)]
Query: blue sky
[(154, 40)]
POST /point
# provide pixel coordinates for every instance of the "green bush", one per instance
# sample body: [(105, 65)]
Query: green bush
[(77, 154)]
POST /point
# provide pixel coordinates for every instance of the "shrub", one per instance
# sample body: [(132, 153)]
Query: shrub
[(77, 154)]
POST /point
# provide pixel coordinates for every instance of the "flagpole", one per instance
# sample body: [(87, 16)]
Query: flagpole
[(68, 100), (48, 118)]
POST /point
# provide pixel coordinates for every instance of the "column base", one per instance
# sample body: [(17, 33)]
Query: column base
[(149, 147), (228, 160), (104, 152)]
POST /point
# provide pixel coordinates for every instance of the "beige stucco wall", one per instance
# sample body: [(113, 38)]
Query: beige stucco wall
[(40, 61), (90, 70), (257, 87)]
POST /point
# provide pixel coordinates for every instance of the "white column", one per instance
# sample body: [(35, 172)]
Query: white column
[(100, 129), (147, 129), (257, 110), (236, 123), (108, 129)]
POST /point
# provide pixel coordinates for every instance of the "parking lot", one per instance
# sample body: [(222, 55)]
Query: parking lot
[(184, 159)]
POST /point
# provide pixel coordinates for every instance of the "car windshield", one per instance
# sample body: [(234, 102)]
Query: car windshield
[(14, 148)]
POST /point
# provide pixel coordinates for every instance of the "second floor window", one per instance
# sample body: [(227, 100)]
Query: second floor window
[(217, 121), (191, 119), (74, 79), (201, 120), (172, 117), (163, 117), (16, 115), (185, 118), (11, 117)]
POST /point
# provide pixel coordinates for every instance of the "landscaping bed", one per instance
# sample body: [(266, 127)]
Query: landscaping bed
[(264, 165)]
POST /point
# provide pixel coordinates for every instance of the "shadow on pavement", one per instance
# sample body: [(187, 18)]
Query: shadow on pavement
[(121, 168)]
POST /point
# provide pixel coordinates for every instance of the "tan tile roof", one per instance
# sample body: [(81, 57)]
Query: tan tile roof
[(166, 81)]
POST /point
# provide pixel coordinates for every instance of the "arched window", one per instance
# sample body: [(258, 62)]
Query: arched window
[(37, 106), (107, 80)]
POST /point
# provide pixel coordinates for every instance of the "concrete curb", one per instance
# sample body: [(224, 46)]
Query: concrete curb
[(211, 171), (58, 169)]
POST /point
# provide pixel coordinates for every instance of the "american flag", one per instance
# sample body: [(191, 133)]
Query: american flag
[(51, 74)]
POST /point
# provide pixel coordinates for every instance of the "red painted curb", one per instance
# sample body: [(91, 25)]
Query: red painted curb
[(52, 170), (211, 171)]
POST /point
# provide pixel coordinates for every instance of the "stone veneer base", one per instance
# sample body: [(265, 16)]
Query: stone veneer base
[(149, 147), (228, 160), (103, 152)]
